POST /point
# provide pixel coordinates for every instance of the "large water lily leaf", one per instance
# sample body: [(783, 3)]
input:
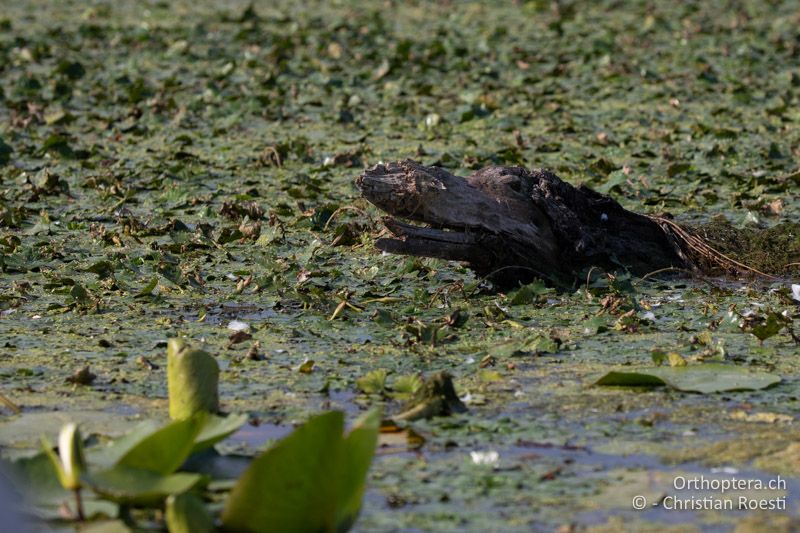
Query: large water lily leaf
[(137, 487), (216, 428), (289, 487), (166, 449), (186, 513), (704, 378), (28, 427), (36, 479), (37, 484), (359, 447), (108, 456), (312, 480)]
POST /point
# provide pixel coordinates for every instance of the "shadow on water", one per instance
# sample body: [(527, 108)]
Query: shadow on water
[(256, 437), (232, 465)]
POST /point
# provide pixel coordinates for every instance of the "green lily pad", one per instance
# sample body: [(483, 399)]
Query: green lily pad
[(108, 456), (313, 480), (171, 442), (595, 325), (165, 450), (148, 289), (187, 514), (529, 294), (216, 428), (25, 429), (137, 487), (359, 447), (35, 479), (704, 378), (770, 327), (155, 448)]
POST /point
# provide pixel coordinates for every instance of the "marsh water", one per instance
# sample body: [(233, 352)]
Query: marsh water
[(168, 168)]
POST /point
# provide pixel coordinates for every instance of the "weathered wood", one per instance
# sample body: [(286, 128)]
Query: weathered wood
[(513, 224)]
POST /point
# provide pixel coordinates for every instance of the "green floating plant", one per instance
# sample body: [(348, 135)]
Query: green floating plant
[(312, 480), (140, 468), (143, 464), (706, 378), (186, 513)]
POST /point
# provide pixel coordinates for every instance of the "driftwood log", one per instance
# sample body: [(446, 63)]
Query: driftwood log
[(511, 224)]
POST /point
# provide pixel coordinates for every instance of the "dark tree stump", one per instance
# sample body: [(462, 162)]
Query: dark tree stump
[(513, 224)]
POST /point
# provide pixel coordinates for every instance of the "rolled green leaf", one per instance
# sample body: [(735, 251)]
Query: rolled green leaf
[(192, 379)]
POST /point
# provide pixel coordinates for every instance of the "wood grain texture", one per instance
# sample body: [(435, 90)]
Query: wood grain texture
[(514, 224)]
